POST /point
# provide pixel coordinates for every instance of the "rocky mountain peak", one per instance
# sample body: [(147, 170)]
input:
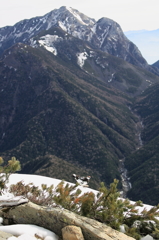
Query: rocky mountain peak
[(105, 35)]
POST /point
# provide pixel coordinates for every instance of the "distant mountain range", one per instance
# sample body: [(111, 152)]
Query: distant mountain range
[(147, 42), (76, 97)]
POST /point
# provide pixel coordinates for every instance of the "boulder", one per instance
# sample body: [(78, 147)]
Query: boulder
[(4, 235), (55, 219), (72, 233), (147, 237)]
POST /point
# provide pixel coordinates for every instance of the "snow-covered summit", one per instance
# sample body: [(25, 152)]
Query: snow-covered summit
[(105, 34)]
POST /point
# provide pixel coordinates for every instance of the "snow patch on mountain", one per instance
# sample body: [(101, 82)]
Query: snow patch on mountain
[(48, 41), (50, 49), (92, 54), (104, 35), (93, 29), (81, 57), (62, 26), (75, 15), (110, 80)]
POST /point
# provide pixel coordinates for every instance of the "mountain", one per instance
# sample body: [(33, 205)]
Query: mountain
[(73, 96), (105, 34), (94, 62), (147, 42)]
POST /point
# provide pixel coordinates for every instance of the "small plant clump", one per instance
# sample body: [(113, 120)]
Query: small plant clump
[(5, 171), (106, 206)]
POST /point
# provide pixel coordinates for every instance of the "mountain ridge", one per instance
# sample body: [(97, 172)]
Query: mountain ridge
[(105, 34)]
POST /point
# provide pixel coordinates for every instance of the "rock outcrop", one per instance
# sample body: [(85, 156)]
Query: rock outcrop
[(4, 235), (55, 219), (72, 233)]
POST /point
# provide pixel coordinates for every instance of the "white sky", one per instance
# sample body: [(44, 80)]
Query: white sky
[(131, 15)]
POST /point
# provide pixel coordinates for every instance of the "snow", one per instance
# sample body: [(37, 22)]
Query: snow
[(148, 237), (75, 15), (38, 180), (9, 199), (47, 42), (62, 26), (110, 80), (28, 231), (81, 57), (92, 54), (94, 28), (104, 35)]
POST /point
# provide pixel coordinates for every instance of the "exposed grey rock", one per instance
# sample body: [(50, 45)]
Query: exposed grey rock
[(55, 219)]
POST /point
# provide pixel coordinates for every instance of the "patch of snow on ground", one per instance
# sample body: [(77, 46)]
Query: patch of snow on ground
[(103, 35), (48, 42), (76, 15), (92, 54), (94, 28), (62, 26), (38, 180), (28, 232), (81, 57), (110, 80)]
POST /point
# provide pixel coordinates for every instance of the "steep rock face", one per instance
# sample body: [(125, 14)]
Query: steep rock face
[(104, 34), (108, 37)]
